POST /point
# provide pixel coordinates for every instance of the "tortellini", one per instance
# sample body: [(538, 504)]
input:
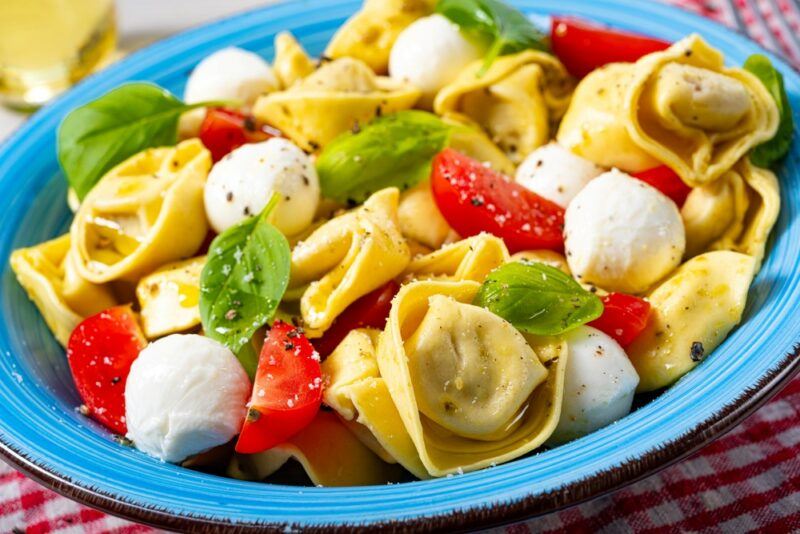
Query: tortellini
[(145, 212), (595, 125), (692, 312), (735, 212), (469, 388), (169, 298), (471, 370), (348, 257), (332, 100), (359, 395), (292, 63), (420, 219), (47, 274), (469, 139), (469, 259), (369, 34), (517, 101), (329, 453), (548, 257), (681, 107)]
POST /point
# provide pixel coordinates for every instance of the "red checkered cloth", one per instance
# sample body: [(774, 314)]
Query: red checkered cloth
[(746, 481)]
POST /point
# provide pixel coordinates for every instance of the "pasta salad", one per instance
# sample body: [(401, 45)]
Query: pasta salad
[(449, 241)]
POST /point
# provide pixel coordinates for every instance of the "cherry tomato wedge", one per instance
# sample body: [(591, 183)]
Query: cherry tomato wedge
[(287, 390), (583, 47), (100, 352), (370, 311), (475, 199), (224, 130), (624, 317), (667, 181)]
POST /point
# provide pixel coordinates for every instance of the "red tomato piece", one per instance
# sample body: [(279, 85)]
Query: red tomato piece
[(624, 317), (583, 47), (287, 391), (475, 199), (224, 130), (100, 352), (370, 311), (667, 181)]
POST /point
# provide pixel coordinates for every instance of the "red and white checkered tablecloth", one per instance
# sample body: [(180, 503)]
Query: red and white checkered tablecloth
[(748, 480)]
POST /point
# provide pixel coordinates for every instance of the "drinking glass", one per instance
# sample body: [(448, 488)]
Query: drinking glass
[(48, 45)]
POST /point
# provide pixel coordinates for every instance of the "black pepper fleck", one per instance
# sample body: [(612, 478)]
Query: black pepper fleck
[(697, 352)]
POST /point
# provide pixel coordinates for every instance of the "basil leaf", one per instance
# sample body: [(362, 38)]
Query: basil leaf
[(243, 282), (394, 150), (493, 21), (537, 298), (95, 137), (769, 152)]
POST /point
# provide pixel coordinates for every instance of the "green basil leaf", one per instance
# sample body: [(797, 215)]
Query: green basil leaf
[(394, 150), (495, 22), (537, 298), (769, 152), (93, 138), (243, 282)]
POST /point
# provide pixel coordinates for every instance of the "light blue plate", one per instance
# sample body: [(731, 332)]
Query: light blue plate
[(42, 435)]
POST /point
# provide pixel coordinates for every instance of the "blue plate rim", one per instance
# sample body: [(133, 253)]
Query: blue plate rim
[(578, 491)]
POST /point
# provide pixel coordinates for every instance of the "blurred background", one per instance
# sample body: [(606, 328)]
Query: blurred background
[(47, 45)]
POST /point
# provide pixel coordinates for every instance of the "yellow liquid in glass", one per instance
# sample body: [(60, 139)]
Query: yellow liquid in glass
[(47, 45)]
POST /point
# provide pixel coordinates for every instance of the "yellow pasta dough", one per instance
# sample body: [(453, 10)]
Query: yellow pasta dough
[(47, 274), (462, 412), (329, 453), (470, 140), (694, 114), (331, 101), (354, 388), (517, 101), (736, 212), (348, 257), (548, 257), (420, 218), (595, 126), (369, 34), (469, 259), (681, 107), (292, 63), (169, 298), (145, 212), (692, 312)]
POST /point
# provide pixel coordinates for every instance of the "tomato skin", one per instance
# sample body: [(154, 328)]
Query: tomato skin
[(100, 352), (224, 130), (370, 311), (624, 317), (583, 46), (474, 199), (667, 181), (287, 390)]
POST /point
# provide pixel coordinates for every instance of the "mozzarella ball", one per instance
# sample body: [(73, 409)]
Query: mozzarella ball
[(556, 174), (622, 234), (429, 54), (228, 74), (240, 185), (599, 384), (185, 394)]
